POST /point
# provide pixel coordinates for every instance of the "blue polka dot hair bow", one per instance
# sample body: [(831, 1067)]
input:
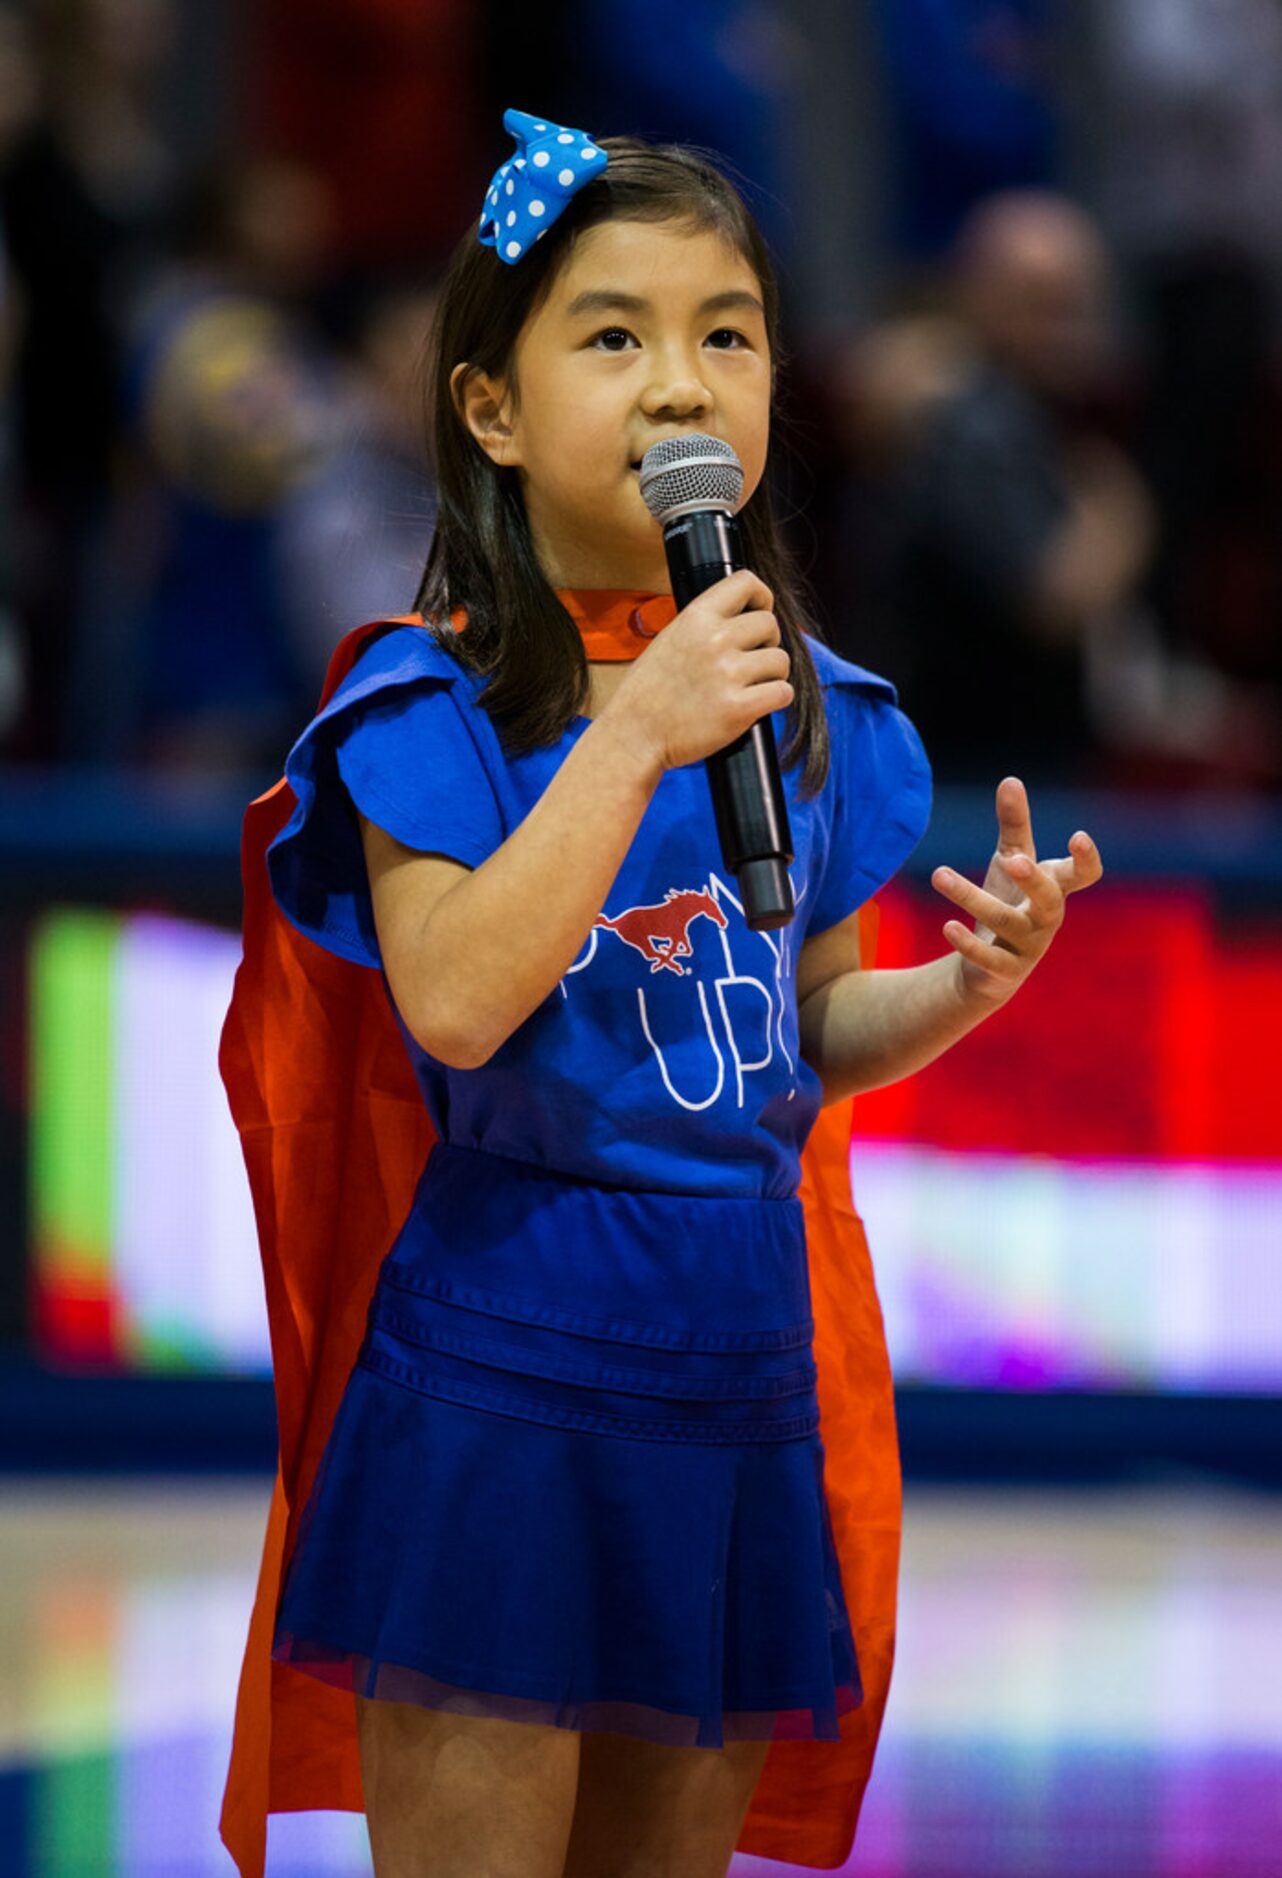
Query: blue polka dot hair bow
[(529, 191)]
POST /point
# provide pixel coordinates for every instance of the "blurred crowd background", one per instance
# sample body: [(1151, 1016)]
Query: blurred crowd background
[(1030, 440)]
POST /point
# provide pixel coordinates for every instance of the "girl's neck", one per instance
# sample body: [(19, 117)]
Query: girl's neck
[(581, 567)]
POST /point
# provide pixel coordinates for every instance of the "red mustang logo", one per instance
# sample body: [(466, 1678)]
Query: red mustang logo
[(662, 933)]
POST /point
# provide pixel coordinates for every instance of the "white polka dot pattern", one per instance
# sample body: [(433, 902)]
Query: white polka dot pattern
[(526, 217)]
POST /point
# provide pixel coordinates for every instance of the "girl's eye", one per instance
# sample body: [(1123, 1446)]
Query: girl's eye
[(618, 338)]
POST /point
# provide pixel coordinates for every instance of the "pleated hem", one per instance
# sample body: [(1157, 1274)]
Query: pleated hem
[(625, 1713)]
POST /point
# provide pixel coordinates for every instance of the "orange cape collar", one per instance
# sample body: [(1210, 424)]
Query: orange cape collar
[(616, 624), (335, 1135)]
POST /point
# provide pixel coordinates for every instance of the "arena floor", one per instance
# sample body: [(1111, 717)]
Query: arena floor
[(1088, 1683)]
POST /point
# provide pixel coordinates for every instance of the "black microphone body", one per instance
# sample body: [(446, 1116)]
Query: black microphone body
[(703, 546)]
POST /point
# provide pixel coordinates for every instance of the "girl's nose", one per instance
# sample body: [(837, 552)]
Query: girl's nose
[(682, 394)]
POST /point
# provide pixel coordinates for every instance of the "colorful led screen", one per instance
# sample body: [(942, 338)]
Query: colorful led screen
[(1087, 1193), (145, 1254)]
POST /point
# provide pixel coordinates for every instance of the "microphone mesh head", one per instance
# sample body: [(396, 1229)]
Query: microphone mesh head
[(692, 472)]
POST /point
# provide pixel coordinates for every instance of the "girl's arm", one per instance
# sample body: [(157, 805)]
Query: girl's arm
[(469, 954), (861, 1030)]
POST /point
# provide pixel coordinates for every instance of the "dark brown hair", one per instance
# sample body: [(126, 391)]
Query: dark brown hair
[(482, 556)]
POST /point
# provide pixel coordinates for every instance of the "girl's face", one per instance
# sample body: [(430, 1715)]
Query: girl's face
[(649, 330)]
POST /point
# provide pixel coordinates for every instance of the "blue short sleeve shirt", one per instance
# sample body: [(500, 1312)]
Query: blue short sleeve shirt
[(667, 1055)]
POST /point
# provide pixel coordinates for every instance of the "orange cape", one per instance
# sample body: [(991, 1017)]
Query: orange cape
[(335, 1136)]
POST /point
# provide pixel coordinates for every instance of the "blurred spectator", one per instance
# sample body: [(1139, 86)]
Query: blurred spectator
[(377, 98), (973, 110), (1007, 536), (1190, 157), (353, 538), (230, 400), (82, 186)]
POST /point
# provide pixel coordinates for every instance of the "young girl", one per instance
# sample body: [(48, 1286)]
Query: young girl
[(582, 1554)]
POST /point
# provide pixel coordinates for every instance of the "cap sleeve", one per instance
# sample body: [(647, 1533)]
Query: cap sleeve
[(878, 790), (395, 741)]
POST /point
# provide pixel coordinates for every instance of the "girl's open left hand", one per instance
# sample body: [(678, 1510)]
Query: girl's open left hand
[(1020, 906)]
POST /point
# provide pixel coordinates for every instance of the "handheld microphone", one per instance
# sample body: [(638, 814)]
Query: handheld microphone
[(692, 486)]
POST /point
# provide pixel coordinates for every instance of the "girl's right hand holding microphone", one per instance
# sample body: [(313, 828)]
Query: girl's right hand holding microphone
[(706, 679)]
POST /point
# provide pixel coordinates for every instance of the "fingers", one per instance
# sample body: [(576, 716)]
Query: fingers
[(747, 630), (1011, 935), (1042, 905), (1040, 887), (1014, 819), (984, 907), (1087, 864), (766, 662), (740, 592), (1081, 867), (744, 602), (998, 961)]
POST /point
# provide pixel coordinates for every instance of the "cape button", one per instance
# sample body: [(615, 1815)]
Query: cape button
[(661, 609)]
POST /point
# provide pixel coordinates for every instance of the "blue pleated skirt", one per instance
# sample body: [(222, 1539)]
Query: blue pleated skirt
[(576, 1476)]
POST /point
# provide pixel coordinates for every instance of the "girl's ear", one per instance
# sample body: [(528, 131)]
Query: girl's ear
[(481, 402)]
